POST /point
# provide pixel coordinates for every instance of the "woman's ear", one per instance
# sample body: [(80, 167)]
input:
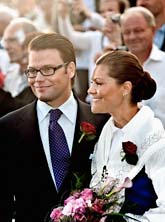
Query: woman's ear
[(127, 87)]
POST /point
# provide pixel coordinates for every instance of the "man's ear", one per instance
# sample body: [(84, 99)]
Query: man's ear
[(153, 30), (71, 69)]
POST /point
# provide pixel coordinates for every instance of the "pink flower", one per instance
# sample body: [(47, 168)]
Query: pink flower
[(68, 209), (126, 184), (69, 199), (87, 194), (73, 205), (56, 214), (80, 217), (98, 206)]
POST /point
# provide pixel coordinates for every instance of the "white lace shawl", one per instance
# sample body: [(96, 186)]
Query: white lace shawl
[(148, 134)]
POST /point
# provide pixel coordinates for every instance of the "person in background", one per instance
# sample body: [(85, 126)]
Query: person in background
[(13, 38), (132, 142), (90, 39), (80, 24), (6, 15), (27, 163), (105, 8), (157, 7), (78, 18), (138, 30), (15, 91), (46, 15), (25, 8)]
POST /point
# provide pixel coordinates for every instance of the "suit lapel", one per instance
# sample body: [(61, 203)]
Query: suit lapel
[(32, 140), (83, 114)]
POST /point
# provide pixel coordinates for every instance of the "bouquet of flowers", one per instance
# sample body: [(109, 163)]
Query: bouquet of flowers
[(92, 204)]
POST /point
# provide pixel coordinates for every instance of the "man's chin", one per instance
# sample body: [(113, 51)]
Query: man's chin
[(134, 50), (42, 97)]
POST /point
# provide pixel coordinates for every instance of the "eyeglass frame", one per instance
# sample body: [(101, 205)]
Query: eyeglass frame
[(40, 70)]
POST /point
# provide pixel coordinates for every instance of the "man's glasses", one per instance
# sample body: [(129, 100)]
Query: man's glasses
[(45, 71)]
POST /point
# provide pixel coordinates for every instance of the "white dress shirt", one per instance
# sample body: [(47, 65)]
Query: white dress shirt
[(15, 82), (155, 65), (67, 121)]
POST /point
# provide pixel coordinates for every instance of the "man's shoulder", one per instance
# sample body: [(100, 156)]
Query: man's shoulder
[(22, 113), (157, 54)]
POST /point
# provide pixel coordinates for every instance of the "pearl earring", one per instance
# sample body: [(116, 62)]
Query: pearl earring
[(125, 94)]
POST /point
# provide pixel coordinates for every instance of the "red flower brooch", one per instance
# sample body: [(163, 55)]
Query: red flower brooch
[(130, 154), (88, 131)]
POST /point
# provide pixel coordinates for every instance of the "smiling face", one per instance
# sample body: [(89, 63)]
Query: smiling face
[(137, 34), (54, 89), (107, 94)]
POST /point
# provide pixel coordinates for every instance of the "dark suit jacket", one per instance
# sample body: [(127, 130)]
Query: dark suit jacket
[(9, 104), (24, 170)]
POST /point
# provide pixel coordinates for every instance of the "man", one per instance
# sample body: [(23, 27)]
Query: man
[(16, 92), (138, 29), (6, 15), (26, 162), (157, 7), (13, 38)]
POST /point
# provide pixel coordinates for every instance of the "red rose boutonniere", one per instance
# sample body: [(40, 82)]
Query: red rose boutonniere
[(88, 131), (130, 154)]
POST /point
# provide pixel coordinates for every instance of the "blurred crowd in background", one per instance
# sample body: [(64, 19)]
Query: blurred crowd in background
[(93, 26)]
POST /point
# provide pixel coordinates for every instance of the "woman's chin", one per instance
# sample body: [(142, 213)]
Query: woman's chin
[(95, 109)]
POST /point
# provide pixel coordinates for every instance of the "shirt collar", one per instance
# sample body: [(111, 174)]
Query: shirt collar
[(71, 105), (155, 54)]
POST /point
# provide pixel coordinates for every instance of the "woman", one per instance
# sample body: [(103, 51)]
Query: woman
[(119, 84)]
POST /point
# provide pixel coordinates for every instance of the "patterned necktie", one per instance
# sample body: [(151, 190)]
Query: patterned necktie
[(59, 150)]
